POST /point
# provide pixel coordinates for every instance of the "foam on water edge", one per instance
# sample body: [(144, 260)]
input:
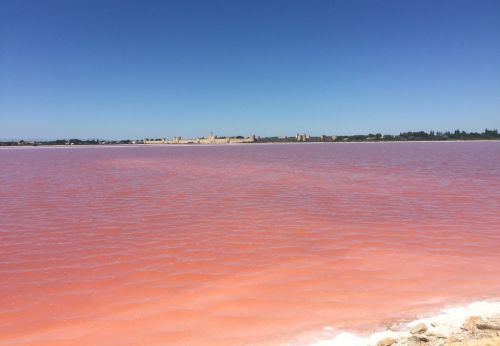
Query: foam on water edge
[(446, 323)]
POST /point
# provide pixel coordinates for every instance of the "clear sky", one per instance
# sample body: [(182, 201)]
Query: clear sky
[(133, 69)]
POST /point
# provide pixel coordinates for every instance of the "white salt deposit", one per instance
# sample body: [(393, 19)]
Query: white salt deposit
[(445, 323)]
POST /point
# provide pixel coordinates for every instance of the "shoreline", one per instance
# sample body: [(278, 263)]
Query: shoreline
[(230, 144), (477, 324)]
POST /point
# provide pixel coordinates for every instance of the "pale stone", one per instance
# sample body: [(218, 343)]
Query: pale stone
[(418, 329), (387, 342), (436, 335)]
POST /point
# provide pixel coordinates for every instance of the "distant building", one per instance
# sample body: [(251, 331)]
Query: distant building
[(301, 137), (212, 139)]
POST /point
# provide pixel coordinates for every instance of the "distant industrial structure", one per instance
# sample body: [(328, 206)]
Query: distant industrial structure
[(212, 139)]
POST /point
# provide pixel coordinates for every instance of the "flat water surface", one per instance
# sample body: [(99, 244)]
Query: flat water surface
[(241, 244)]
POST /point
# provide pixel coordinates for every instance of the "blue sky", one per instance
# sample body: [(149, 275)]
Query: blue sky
[(132, 69)]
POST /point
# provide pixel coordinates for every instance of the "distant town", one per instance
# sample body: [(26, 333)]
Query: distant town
[(456, 135)]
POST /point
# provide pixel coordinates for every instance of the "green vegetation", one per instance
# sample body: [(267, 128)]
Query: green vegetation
[(403, 136), (423, 136), (72, 141)]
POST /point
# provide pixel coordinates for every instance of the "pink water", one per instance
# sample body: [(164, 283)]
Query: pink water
[(244, 244)]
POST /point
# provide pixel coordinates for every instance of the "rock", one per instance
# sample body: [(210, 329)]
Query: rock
[(436, 335), (387, 342), (471, 323), (419, 329), (395, 328), (418, 339), (487, 326)]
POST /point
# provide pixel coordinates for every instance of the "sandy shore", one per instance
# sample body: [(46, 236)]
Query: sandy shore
[(483, 342)]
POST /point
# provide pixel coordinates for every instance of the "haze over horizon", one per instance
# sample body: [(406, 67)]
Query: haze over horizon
[(132, 69)]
